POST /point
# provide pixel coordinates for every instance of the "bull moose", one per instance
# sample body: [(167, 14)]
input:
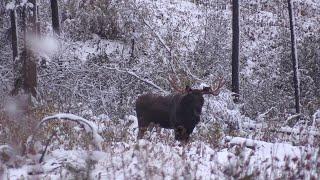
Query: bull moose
[(179, 111)]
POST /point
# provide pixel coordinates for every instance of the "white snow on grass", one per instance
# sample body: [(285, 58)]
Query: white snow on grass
[(150, 160), (268, 151)]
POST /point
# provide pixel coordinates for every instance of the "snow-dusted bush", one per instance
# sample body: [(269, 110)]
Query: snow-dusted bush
[(81, 19)]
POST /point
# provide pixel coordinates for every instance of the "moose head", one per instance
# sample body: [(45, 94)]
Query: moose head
[(179, 111)]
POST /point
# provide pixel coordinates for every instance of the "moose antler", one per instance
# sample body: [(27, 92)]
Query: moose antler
[(174, 84), (216, 90)]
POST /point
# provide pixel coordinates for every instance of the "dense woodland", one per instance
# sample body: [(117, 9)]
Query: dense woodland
[(72, 64)]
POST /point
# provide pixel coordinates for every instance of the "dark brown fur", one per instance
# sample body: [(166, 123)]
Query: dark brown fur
[(180, 112)]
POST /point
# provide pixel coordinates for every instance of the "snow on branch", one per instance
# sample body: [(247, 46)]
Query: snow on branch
[(249, 143), (263, 127), (139, 78), (316, 118), (280, 150), (89, 126), (293, 117), (289, 130), (13, 4)]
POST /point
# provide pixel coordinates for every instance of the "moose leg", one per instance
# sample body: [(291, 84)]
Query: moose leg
[(141, 132), (181, 133), (143, 126)]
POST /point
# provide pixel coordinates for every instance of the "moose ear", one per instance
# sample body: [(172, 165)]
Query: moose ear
[(206, 89), (188, 88)]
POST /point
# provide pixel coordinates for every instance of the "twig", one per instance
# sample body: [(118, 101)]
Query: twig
[(45, 149), (156, 35)]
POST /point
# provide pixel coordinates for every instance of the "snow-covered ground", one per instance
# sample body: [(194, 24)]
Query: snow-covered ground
[(158, 156), (146, 159)]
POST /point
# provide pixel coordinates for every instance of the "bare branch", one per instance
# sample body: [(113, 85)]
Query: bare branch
[(89, 126), (138, 77)]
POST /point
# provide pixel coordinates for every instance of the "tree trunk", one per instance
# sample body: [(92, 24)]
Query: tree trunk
[(38, 22), (34, 17), (56, 26), (14, 33), (235, 49), (55, 17), (29, 73), (15, 51), (296, 82), (24, 25), (132, 43)]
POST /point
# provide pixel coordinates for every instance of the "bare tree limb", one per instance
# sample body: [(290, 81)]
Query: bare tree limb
[(156, 35), (89, 126), (139, 78)]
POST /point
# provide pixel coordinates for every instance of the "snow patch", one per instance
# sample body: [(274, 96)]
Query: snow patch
[(11, 5)]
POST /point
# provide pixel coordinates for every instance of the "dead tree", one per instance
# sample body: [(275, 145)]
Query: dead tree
[(55, 17), (235, 49), (25, 66), (14, 35), (294, 59), (56, 26), (15, 50), (34, 17)]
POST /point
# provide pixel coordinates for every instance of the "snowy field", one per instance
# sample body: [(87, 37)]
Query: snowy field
[(113, 152)]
